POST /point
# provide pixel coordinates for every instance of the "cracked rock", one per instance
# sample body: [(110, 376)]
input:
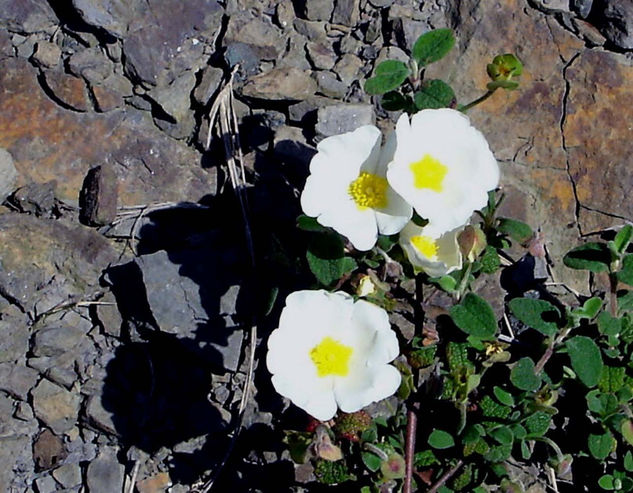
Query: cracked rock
[(8, 174), (55, 406)]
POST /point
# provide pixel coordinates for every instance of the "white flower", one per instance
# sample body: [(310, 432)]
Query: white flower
[(442, 166), (330, 351), (347, 188), (430, 249)]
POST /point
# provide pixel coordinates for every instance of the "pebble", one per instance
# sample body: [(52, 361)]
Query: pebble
[(68, 475), (341, 118)]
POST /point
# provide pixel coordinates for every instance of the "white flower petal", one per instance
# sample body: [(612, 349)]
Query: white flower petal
[(471, 169), (310, 317), (448, 258)]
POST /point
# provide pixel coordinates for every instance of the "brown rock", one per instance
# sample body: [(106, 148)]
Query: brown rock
[(154, 484), (49, 142), (68, 89), (55, 406), (597, 137), (47, 54), (48, 450), (98, 197), (281, 84)]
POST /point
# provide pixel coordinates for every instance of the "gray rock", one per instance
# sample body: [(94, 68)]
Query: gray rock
[(321, 55), (208, 85), (24, 412), (99, 416), (280, 84), (175, 98), (16, 457), (27, 16), (92, 64), (313, 30), (290, 146), (552, 6), (259, 33), (615, 21), (14, 333), (8, 174), (318, 11), (98, 196), (391, 53), (407, 31), (171, 38), (582, 7), (341, 118), (285, 14), (244, 55), (55, 341), (105, 474), (109, 316), (330, 86), (55, 406), (346, 12), (36, 198), (68, 475), (381, 4), (112, 15), (298, 112), (589, 32), (45, 263), (47, 54), (111, 93), (193, 294), (348, 68), (17, 380), (46, 484)]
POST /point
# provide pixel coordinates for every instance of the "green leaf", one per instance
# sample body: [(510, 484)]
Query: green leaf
[(457, 356), (590, 308), (626, 272), (586, 359), (623, 238), (326, 258), (626, 428), (523, 377), (600, 446), (594, 257), (609, 325), (499, 453), (440, 439), (628, 461), (606, 482), (503, 396), (492, 409), (490, 261), (517, 230), (371, 461), (526, 453), (538, 423), (424, 458), (307, 223), (434, 94), (625, 300), (389, 75), (395, 101), (601, 403), (502, 434), (504, 66), (298, 444), (538, 314), (475, 316), (447, 283), (432, 46), (612, 378)]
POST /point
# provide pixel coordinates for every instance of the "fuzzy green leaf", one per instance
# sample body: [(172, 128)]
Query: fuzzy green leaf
[(589, 309), (517, 230), (432, 46), (502, 434), (628, 461), (623, 238), (538, 314), (326, 258), (594, 257), (538, 423), (609, 325), (389, 75), (612, 378), (308, 223), (606, 482), (626, 272), (523, 377), (586, 359), (626, 428), (434, 94), (600, 446), (490, 261), (371, 461), (503, 396), (492, 409), (475, 316), (440, 439)]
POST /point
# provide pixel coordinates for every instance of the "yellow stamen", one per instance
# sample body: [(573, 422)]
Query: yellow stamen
[(369, 190), (425, 245), (331, 357), (428, 172)]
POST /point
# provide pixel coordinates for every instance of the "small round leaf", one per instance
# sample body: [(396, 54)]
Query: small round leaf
[(440, 439)]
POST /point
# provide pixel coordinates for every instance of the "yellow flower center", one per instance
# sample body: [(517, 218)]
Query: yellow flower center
[(331, 357), (425, 245), (369, 190), (428, 172)]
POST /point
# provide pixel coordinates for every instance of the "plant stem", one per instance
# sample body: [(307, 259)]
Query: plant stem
[(553, 444), (463, 284), (550, 351), (613, 294), (412, 426), (446, 476), (477, 101)]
